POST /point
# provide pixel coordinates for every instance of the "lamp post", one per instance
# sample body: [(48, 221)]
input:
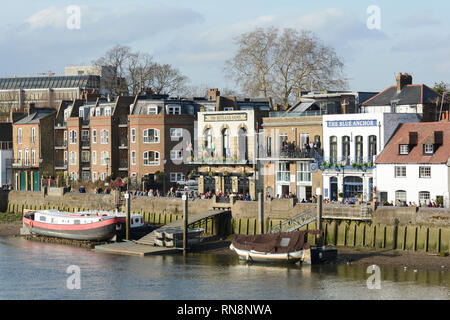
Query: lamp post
[(343, 163), (164, 160)]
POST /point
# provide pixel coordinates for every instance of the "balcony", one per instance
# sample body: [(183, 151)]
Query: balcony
[(123, 143), (60, 144), (61, 125), (357, 163), (218, 160), (60, 165), (123, 122), (123, 166), (85, 144), (292, 152)]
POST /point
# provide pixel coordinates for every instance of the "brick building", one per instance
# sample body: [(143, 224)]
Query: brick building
[(33, 138)]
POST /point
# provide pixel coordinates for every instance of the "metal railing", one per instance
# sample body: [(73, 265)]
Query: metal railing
[(294, 223)]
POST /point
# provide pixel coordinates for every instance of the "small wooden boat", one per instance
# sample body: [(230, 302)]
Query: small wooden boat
[(278, 247), (55, 223)]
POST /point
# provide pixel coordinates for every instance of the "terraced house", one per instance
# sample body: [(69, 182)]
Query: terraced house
[(33, 148)]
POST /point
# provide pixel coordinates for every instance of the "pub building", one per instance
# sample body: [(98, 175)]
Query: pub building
[(226, 146), (351, 144)]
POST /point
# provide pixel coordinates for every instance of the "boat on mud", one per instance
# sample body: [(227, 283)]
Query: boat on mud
[(278, 247), (78, 226)]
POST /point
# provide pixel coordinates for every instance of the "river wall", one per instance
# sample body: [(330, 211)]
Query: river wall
[(406, 228)]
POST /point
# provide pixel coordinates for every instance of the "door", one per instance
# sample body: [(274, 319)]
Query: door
[(23, 181), (36, 182)]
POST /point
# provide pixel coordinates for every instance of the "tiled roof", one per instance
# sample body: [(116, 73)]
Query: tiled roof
[(410, 94), (425, 133), (35, 116)]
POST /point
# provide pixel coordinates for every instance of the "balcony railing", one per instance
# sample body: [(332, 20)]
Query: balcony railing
[(85, 143), (210, 160), (279, 114), (123, 121), (123, 166), (123, 143), (292, 151), (348, 162), (61, 165), (60, 143)]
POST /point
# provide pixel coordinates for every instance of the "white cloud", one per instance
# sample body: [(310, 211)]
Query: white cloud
[(49, 17)]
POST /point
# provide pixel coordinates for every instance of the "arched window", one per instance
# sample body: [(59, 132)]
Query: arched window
[(400, 195), (207, 141), (226, 143), (104, 136), (73, 136), (242, 144), (333, 149), (372, 146), (151, 136), (346, 149), (358, 149), (151, 158), (424, 197)]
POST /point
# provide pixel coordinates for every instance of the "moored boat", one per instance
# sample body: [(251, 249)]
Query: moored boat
[(278, 247), (55, 223)]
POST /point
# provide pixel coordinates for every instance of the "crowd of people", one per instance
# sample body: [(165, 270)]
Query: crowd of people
[(399, 203)]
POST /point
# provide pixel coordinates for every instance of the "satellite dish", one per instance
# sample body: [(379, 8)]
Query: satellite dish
[(313, 167)]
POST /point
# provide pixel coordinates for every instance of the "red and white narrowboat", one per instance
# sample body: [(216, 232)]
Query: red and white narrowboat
[(55, 223)]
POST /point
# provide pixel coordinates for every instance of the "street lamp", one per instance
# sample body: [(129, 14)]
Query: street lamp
[(343, 163)]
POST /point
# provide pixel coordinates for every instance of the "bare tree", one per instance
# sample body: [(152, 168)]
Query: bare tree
[(139, 73), (251, 66), (167, 80), (117, 57), (293, 62)]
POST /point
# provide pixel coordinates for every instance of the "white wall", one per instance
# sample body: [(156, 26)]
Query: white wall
[(437, 185)]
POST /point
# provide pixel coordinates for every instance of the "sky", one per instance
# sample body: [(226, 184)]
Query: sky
[(198, 36)]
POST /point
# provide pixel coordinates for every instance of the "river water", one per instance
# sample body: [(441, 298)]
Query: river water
[(35, 270)]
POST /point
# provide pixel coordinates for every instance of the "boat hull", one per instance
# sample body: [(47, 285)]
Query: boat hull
[(97, 231), (268, 257)]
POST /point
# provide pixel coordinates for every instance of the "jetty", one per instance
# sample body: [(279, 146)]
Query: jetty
[(146, 246)]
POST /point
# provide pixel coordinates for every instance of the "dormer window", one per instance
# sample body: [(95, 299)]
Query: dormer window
[(428, 149), (108, 112), (152, 109), (403, 149), (173, 109)]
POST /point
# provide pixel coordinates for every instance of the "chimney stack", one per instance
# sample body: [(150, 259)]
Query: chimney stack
[(402, 80), (31, 108), (213, 94)]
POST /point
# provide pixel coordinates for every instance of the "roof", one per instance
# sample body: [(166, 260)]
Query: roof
[(425, 131), (410, 94), (84, 82), (5, 131), (35, 116)]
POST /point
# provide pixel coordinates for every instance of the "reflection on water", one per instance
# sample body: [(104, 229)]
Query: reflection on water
[(34, 270)]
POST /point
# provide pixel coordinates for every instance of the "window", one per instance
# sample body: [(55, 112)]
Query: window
[(283, 172), (428, 149), (152, 109), (108, 111), (173, 109), (26, 157), (333, 149), (85, 135), (403, 149), (94, 157), (33, 157), (177, 177), (176, 133), (33, 135), (151, 136), (207, 139), (303, 172), (358, 149), (19, 156), (85, 156), (133, 157), (65, 157), (104, 136), (19, 136), (85, 175), (269, 146), (151, 158), (346, 149), (226, 143), (424, 172), (73, 137), (400, 195), (228, 109), (133, 135), (98, 112), (73, 176), (372, 146), (94, 136), (400, 172), (104, 158), (424, 197), (94, 176), (81, 113), (304, 139), (176, 154), (242, 144), (73, 157), (104, 175)]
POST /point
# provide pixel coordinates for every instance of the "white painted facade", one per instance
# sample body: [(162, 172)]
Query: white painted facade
[(415, 187), (6, 159), (361, 130), (404, 108)]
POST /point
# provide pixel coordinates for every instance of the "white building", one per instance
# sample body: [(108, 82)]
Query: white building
[(415, 165), (351, 143)]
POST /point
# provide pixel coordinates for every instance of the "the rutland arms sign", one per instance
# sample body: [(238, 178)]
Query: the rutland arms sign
[(225, 117), (351, 123)]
